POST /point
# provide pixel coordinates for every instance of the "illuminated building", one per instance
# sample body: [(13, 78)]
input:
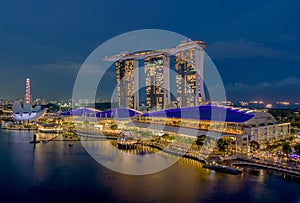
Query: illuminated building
[(126, 83), (269, 106), (27, 93), (243, 125), (189, 74), (157, 82), (189, 57), (284, 103), (26, 112), (95, 113)]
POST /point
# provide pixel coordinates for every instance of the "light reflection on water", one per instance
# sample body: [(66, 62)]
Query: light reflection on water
[(55, 170)]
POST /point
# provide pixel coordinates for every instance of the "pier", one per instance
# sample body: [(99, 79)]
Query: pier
[(20, 128), (45, 141), (95, 135)]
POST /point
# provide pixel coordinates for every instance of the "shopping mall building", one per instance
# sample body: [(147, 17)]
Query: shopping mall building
[(243, 124), (239, 124)]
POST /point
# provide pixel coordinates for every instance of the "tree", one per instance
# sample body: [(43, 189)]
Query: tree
[(293, 131), (222, 144), (200, 140), (254, 145), (202, 137), (297, 148), (286, 148), (166, 136), (51, 107), (114, 127)]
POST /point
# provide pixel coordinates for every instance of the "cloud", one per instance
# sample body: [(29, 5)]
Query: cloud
[(260, 85), (243, 86), (289, 37), (285, 89), (64, 64), (241, 48)]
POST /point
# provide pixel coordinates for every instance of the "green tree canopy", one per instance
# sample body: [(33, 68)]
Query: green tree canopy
[(114, 127), (297, 148), (286, 148), (200, 140), (222, 144), (254, 145), (166, 136)]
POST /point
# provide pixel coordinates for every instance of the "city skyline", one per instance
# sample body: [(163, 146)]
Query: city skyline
[(255, 52), (150, 101)]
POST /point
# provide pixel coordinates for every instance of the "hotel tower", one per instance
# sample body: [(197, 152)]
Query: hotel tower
[(188, 59)]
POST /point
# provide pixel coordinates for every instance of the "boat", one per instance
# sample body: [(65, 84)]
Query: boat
[(49, 128), (223, 168), (71, 145)]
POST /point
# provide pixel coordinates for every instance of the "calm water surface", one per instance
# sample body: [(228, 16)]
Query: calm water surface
[(55, 172)]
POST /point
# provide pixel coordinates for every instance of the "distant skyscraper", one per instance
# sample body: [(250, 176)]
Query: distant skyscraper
[(27, 94)]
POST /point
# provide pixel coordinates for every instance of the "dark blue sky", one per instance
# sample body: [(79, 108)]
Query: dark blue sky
[(254, 44)]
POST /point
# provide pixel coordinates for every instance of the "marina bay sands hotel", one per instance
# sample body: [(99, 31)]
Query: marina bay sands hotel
[(188, 59)]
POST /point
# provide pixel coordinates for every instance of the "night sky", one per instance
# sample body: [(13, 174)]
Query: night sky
[(254, 44)]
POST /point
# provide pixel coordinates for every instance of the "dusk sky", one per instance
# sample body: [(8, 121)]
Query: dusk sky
[(254, 44)]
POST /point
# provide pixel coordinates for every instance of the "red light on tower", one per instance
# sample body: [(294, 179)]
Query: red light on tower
[(27, 96)]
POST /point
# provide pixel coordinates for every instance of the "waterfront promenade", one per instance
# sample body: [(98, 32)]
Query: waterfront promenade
[(196, 155), (242, 161), (182, 151)]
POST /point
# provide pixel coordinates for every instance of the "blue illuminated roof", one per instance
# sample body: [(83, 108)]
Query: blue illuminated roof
[(117, 113), (204, 112), (88, 112)]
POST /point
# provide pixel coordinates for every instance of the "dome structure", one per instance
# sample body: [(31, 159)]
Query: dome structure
[(205, 112), (26, 112), (111, 113)]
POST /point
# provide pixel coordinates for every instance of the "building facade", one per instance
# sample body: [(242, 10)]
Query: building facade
[(270, 133), (157, 82), (189, 59), (241, 125), (188, 77), (26, 112), (125, 83)]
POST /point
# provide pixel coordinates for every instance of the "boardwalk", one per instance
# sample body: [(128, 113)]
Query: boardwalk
[(284, 169), (95, 135)]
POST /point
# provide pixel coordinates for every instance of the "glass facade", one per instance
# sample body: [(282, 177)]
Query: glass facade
[(125, 83), (154, 74), (188, 58), (188, 90)]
